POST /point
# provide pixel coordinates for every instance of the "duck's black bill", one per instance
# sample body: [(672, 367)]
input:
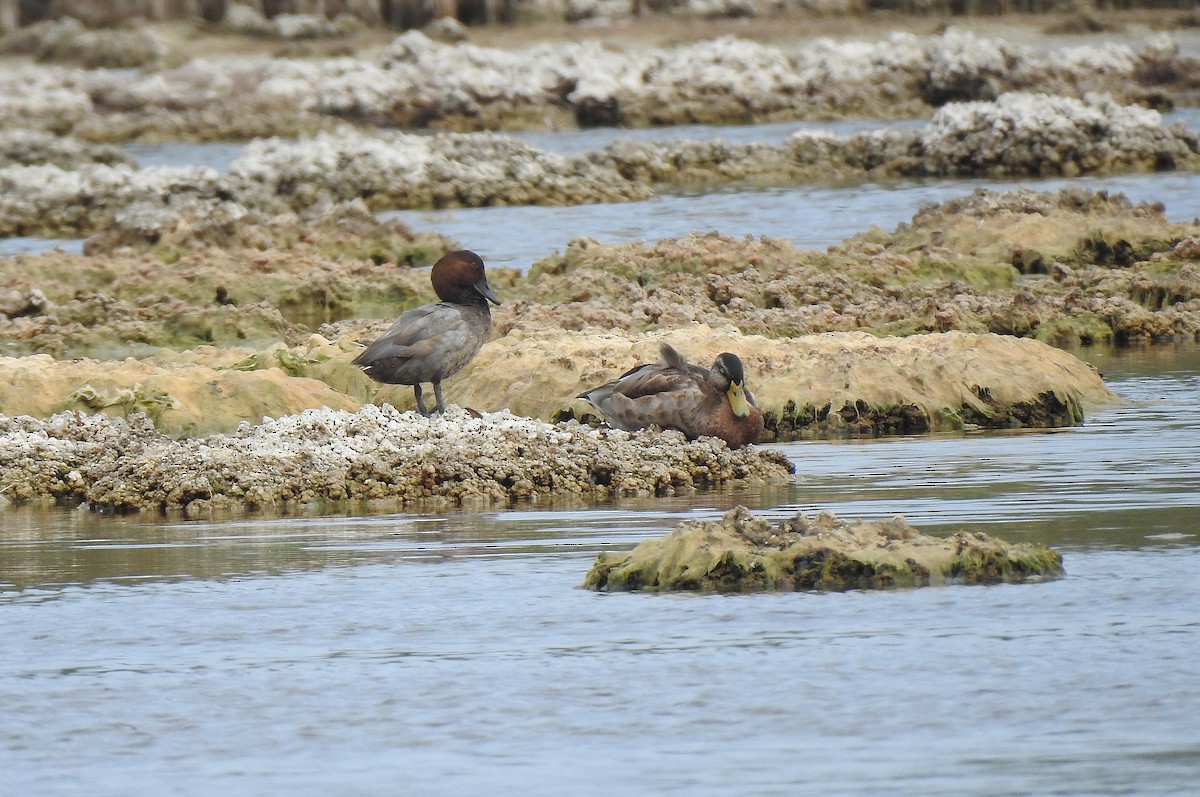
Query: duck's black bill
[(486, 292)]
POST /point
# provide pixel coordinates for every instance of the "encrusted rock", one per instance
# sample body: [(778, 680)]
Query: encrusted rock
[(36, 147), (63, 188), (296, 27), (1017, 134), (15, 304), (390, 170), (418, 82), (44, 98), (195, 274), (178, 398), (247, 20), (376, 456), (68, 40), (446, 29), (48, 200), (1036, 134), (743, 553), (409, 171), (957, 266)]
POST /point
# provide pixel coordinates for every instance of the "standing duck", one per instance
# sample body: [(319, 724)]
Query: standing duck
[(435, 341), (675, 395)]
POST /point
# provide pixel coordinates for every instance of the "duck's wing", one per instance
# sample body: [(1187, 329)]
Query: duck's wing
[(414, 328), (423, 344), (650, 380), (673, 374), (649, 395)]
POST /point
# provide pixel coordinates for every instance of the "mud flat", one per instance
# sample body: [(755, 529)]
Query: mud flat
[(743, 553)]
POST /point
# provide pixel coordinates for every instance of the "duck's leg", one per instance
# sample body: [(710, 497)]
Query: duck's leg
[(437, 392), (420, 403)]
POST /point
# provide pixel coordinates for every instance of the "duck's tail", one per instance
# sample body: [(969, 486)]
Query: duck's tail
[(673, 358)]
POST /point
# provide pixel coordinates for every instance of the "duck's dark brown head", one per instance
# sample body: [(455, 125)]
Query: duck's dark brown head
[(459, 277)]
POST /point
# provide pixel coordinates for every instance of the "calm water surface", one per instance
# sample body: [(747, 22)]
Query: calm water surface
[(454, 654), (808, 216), (811, 217)]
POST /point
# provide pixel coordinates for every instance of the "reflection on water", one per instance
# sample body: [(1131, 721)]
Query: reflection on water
[(50, 549), (495, 674), (1126, 478)]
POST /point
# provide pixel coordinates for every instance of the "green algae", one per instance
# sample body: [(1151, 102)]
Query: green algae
[(743, 553), (122, 401), (1118, 249), (1049, 409)]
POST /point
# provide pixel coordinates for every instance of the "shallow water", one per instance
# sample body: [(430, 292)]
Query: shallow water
[(811, 217), (216, 155), (454, 654), (26, 245)]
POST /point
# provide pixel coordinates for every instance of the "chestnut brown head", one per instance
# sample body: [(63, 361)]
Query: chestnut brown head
[(459, 276)]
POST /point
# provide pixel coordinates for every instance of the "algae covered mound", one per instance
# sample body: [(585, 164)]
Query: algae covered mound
[(179, 398), (744, 553), (1072, 266), (837, 383)]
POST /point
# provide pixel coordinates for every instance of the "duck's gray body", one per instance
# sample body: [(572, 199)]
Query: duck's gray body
[(427, 344), (435, 341)]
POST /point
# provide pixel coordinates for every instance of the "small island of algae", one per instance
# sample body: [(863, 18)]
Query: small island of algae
[(744, 553)]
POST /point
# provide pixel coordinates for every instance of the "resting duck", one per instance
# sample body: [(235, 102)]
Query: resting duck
[(675, 395), (435, 341)]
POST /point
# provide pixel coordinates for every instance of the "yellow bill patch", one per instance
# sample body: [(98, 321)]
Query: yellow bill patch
[(737, 399)]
